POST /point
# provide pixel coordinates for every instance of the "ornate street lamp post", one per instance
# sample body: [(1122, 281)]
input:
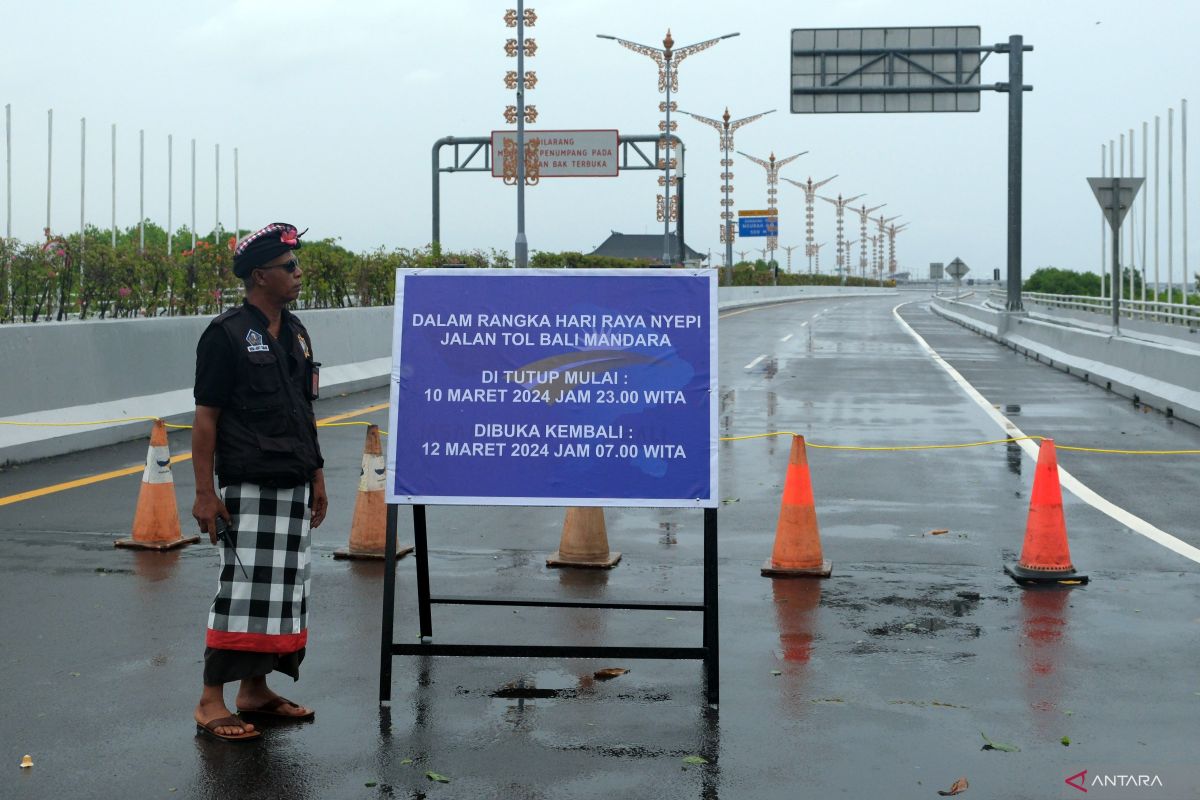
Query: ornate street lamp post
[(726, 129), (520, 162), (772, 167), (864, 214), (841, 204), (668, 58)]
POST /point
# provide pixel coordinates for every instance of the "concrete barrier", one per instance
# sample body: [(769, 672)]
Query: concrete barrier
[(116, 369), (1162, 374)]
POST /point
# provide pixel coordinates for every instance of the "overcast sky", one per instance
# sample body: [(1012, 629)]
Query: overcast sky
[(334, 107)]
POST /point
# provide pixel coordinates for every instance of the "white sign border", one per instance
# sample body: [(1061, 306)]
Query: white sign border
[(614, 502)]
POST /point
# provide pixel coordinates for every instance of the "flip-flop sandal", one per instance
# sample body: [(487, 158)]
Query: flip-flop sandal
[(271, 709), (210, 728)]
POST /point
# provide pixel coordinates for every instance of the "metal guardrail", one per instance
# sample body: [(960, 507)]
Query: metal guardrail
[(1151, 310)]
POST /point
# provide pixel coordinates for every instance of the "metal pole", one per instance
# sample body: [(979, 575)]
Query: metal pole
[(1132, 223), (1183, 269), (1170, 205), (1016, 92), (1116, 256), (728, 207), (711, 638), (521, 246), (8, 173), (1112, 172), (1121, 166), (237, 202), (114, 186), (141, 191), (8, 199), (1103, 229), (1157, 139), (170, 189), (1145, 203), (193, 194), (82, 187), (49, 162), (679, 219), (667, 174), (387, 632), (217, 226), (437, 194)]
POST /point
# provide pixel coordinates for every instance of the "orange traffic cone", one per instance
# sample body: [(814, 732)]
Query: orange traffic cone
[(368, 528), (797, 550), (584, 541), (156, 521), (1045, 556)]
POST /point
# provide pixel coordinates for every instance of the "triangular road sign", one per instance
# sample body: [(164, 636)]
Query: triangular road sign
[(1115, 196)]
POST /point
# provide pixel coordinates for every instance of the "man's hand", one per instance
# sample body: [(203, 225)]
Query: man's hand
[(206, 510), (320, 500)]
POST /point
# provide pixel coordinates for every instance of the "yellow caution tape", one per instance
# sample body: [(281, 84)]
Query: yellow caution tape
[(346, 425), (90, 422)]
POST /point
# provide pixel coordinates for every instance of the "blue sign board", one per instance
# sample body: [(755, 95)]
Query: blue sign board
[(758, 226), (554, 387)]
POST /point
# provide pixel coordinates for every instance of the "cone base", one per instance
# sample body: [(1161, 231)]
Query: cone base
[(557, 559), (1024, 575), (769, 570), (346, 554), (134, 544)]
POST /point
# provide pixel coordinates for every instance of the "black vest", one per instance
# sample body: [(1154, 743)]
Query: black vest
[(267, 434)]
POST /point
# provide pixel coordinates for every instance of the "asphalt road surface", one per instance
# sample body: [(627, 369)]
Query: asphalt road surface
[(877, 682)]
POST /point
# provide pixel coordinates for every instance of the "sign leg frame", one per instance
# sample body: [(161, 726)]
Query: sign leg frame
[(709, 652)]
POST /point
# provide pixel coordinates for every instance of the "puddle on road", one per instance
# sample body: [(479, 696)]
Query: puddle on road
[(923, 626)]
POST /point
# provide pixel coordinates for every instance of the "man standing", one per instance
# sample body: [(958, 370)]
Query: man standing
[(255, 383)]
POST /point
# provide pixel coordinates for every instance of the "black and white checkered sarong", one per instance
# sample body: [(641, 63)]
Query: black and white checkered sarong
[(262, 593)]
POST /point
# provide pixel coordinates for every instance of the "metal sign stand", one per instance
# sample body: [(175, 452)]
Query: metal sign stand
[(886, 70), (708, 652), (1115, 196)]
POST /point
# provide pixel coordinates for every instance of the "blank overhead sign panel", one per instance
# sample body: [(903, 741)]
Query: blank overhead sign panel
[(849, 70)]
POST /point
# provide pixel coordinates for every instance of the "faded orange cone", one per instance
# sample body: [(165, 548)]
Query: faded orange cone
[(797, 551), (584, 541), (368, 528), (156, 521), (1045, 555)]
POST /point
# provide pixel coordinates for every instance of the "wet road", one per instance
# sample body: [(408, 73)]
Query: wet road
[(876, 682)]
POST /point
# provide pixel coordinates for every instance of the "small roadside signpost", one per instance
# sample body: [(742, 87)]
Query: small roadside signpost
[(1115, 196), (956, 269), (759, 223)]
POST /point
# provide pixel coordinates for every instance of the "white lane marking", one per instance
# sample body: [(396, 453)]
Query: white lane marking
[(1068, 481), (754, 363), (789, 336), (802, 324)]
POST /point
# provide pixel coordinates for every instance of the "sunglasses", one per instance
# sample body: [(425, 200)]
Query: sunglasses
[(289, 266)]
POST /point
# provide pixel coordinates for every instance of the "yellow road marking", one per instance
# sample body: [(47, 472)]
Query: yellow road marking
[(126, 471), (352, 414)]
